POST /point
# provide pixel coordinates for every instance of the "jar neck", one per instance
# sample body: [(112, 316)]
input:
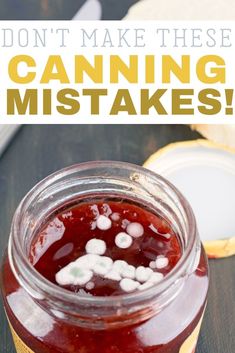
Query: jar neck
[(101, 179)]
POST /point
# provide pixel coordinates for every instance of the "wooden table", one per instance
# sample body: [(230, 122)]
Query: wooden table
[(37, 151)]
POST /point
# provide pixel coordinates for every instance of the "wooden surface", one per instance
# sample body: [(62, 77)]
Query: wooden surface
[(37, 151)]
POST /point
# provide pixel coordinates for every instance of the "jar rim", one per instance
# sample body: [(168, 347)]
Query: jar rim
[(58, 293)]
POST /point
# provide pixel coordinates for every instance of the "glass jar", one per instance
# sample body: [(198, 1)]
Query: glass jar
[(46, 318)]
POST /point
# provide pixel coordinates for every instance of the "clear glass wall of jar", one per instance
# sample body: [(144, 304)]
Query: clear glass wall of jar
[(46, 318)]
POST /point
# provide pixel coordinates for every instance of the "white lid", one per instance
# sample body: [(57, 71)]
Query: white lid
[(205, 173)]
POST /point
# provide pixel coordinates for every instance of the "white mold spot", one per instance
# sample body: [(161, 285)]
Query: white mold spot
[(161, 262), (115, 216), (103, 223), (119, 266), (135, 229), (128, 272), (80, 276), (72, 274), (123, 240), (87, 261), (96, 247), (129, 285), (142, 273), (152, 265), (113, 275), (155, 277), (103, 265)]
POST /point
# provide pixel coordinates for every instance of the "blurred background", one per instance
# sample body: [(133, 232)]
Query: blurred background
[(60, 9)]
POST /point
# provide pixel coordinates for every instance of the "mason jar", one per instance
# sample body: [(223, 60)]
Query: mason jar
[(45, 318)]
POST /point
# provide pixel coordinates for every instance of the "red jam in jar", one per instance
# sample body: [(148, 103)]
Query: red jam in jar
[(130, 244), (104, 257)]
